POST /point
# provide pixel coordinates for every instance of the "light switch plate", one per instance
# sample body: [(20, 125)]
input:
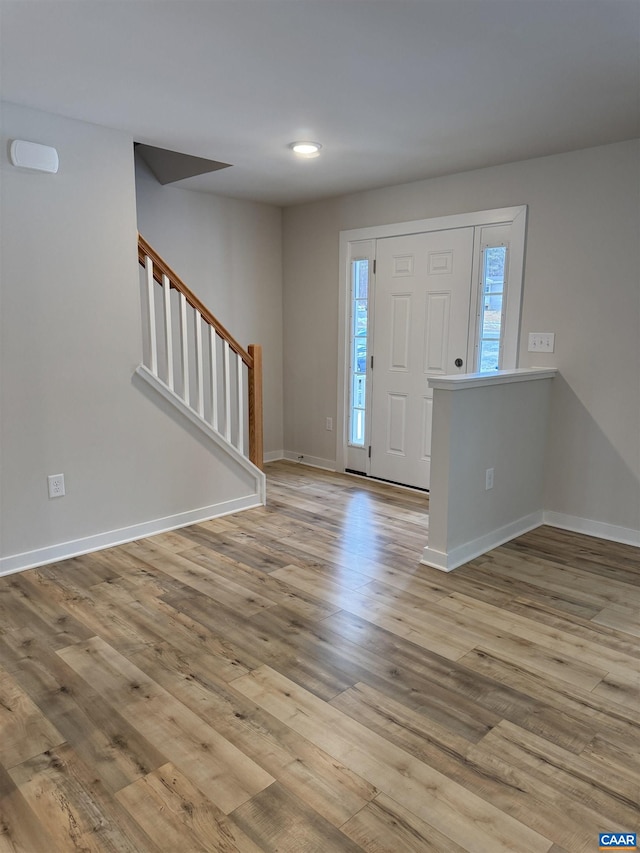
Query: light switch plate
[(541, 341)]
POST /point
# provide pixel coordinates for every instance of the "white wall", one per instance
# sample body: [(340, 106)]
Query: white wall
[(581, 282), (498, 426), (229, 253), (70, 327), (70, 342)]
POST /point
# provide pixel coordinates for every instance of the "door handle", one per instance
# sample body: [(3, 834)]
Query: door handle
[(458, 362)]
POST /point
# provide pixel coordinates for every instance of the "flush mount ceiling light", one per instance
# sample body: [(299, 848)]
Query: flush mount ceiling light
[(305, 149)]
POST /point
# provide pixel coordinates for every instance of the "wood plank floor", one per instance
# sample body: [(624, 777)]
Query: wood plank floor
[(291, 679)]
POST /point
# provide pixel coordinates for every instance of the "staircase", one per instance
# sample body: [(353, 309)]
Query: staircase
[(192, 361)]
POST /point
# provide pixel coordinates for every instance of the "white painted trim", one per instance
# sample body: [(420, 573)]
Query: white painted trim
[(111, 538), (456, 382), (600, 529), (312, 461), (438, 223), (515, 289), (515, 240), (346, 454), (260, 481), (273, 456), (436, 559), (344, 311), (446, 562)]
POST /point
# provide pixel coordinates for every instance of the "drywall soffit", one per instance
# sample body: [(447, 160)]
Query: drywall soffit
[(171, 166)]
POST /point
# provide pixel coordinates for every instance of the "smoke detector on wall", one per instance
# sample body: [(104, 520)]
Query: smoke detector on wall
[(32, 155)]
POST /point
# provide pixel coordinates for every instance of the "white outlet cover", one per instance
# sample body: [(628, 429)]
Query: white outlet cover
[(55, 483)]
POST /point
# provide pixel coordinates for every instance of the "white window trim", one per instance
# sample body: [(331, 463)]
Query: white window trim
[(516, 216)]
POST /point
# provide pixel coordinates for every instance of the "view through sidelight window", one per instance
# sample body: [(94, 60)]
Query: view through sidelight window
[(492, 308), (358, 363)]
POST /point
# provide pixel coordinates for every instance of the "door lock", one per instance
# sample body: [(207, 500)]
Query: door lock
[(458, 362)]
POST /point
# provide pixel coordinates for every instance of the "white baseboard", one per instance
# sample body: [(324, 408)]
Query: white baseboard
[(76, 547), (461, 554), (436, 559), (600, 529), (313, 461), (273, 456)]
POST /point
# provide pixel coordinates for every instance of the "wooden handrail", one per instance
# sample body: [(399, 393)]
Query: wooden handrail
[(162, 272), (160, 268)]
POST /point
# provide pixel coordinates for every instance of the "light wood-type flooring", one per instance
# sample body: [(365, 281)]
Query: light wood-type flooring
[(291, 679)]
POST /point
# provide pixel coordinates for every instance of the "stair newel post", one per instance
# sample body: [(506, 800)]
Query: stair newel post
[(256, 451)]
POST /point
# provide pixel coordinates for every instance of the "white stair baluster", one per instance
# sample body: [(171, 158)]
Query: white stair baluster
[(184, 350), (168, 334), (214, 378), (185, 365), (227, 393), (199, 376), (151, 317), (240, 444)]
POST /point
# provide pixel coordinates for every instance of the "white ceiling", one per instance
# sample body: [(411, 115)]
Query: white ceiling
[(395, 90)]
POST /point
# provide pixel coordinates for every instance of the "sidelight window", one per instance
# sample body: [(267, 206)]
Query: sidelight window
[(492, 306), (358, 345)]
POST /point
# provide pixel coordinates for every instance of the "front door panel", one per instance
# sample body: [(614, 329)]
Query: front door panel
[(422, 292)]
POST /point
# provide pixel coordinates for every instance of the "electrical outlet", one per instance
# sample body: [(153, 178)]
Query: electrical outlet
[(56, 485), (488, 479), (541, 342), (329, 423)]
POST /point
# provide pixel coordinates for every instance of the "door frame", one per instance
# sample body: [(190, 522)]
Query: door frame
[(515, 216)]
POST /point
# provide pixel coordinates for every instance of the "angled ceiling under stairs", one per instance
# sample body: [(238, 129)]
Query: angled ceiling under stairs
[(171, 166)]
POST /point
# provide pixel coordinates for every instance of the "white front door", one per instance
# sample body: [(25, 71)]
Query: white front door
[(421, 328)]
